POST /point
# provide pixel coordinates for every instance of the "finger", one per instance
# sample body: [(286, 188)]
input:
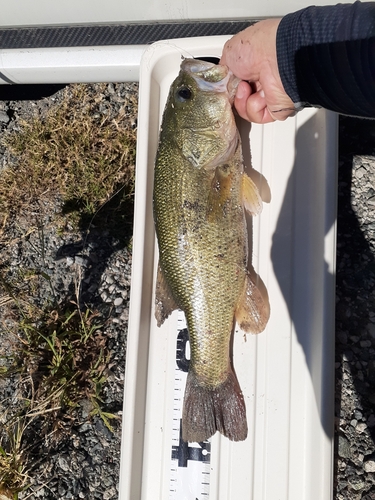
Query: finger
[(257, 110), (240, 99), (252, 106)]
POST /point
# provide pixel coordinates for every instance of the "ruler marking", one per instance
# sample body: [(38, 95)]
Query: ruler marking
[(189, 461)]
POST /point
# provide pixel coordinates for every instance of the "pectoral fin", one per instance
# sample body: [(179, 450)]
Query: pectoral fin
[(253, 310), (250, 195), (164, 301)]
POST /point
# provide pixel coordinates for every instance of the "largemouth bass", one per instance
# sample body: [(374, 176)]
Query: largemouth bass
[(200, 196)]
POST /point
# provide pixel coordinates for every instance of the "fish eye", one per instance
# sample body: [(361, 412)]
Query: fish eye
[(184, 94)]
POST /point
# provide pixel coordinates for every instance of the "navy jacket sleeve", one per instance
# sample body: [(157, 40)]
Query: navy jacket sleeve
[(326, 57)]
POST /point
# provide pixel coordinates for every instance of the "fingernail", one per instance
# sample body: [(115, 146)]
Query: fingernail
[(261, 93)]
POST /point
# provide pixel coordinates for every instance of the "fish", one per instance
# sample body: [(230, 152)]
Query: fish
[(200, 196)]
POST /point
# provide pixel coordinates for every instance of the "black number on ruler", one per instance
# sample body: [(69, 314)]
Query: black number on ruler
[(181, 360), (183, 452)]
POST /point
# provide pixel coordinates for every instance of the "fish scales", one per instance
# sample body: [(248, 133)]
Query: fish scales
[(201, 229), (198, 259)]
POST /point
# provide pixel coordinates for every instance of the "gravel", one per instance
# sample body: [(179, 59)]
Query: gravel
[(86, 464), (355, 313), (85, 461)]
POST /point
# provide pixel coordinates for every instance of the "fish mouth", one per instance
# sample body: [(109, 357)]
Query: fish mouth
[(212, 77)]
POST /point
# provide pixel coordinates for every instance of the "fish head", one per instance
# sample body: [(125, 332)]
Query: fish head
[(199, 113)]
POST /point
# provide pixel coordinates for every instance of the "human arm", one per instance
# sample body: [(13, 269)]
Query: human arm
[(320, 56)]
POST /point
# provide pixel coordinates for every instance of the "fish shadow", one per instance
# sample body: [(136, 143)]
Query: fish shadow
[(297, 235), (298, 259)]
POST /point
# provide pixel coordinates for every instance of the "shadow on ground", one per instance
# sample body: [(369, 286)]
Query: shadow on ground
[(109, 231), (30, 92), (355, 264)]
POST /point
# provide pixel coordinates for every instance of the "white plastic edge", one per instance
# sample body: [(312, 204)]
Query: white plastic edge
[(71, 65)]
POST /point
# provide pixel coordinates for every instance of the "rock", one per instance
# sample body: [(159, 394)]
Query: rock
[(343, 447), (63, 464), (357, 483), (371, 329), (360, 172), (4, 118), (361, 427), (365, 343), (109, 494), (358, 415), (118, 301), (81, 261), (343, 337), (86, 408), (369, 466), (69, 261), (85, 427)]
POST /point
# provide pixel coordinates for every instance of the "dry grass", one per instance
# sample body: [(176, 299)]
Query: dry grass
[(75, 153), (59, 358), (13, 464)]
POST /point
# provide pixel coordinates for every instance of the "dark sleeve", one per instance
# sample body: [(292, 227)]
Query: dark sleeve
[(326, 57)]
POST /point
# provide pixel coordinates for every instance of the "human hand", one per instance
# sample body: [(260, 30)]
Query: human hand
[(251, 55)]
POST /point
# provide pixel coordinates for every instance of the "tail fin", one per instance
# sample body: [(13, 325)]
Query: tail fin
[(208, 410)]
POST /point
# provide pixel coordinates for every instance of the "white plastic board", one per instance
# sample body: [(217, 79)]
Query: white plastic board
[(113, 63), (286, 372)]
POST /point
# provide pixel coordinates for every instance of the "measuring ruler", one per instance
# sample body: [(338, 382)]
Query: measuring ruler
[(190, 462)]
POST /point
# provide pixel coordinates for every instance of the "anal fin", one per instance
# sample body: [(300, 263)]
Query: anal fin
[(164, 301), (253, 310)]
